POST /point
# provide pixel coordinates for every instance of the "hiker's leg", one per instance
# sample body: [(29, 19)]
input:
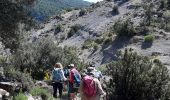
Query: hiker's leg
[(71, 91), (60, 88), (55, 89)]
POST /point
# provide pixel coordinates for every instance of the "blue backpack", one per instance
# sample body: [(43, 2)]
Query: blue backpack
[(57, 75), (77, 79)]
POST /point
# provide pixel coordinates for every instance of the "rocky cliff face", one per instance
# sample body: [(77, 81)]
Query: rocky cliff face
[(89, 30)]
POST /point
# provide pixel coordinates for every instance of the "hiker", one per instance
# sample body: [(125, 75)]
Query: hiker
[(47, 75), (97, 73), (58, 78), (66, 71), (66, 74), (74, 82), (90, 87)]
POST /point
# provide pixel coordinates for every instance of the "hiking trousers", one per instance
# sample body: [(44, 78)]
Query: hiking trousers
[(57, 86)]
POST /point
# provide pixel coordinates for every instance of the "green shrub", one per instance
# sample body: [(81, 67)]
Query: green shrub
[(149, 38), (69, 9), (38, 91), (102, 68), (88, 44), (99, 40), (82, 12), (16, 75), (42, 54), (20, 96), (115, 10), (95, 47), (74, 29), (58, 29), (124, 28), (134, 77), (168, 4), (108, 40)]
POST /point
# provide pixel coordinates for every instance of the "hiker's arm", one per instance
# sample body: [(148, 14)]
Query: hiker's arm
[(63, 75), (101, 91)]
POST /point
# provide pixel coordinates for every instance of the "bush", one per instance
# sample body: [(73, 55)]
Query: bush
[(38, 91), (115, 10), (99, 40), (168, 4), (74, 29), (42, 54), (134, 77), (88, 44), (124, 28), (108, 40), (20, 96), (69, 9), (82, 12), (15, 75), (58, 29), (149, 38)]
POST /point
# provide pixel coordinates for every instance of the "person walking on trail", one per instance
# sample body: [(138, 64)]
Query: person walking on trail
[(58, 78), (90, 87), (97, 73), (47, 75), (74, 82)]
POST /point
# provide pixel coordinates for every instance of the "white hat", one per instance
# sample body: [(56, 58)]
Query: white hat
[(72, 65)]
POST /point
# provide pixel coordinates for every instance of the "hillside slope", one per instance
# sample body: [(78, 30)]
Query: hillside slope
[(94, 39)]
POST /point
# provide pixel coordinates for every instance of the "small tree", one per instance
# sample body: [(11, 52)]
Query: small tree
[(12, 13), (74, 29), (134, 77), (149, 38), (42, 54), (124, 28), (82, 12), (168, 4), (115, 10), (166, 16)]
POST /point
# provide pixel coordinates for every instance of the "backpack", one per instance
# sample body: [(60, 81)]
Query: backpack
[(57, 75), (89, 86), (66, 72), (77, 77)]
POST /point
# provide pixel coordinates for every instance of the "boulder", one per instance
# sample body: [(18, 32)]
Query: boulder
[(44, 85), (3, 94), (8, 86), (11, 87)]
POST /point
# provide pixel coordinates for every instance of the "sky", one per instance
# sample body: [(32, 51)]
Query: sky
[(93, 0)]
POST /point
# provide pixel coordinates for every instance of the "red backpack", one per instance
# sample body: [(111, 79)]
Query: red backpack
[(89, 86)]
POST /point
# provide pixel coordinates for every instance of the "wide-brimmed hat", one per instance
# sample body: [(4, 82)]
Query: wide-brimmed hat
[(71, 65), (90, 69), (90, 73)]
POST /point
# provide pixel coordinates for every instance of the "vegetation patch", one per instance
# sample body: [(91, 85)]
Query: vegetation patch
[(42, 54), (124, 28), (108, 40), (88, 44), (58, 29), (74, 29), (38, 91), (115, 10), (82, 12), (149, 38), (20, 96), (99, 40), (16, 75), (134, 77)]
